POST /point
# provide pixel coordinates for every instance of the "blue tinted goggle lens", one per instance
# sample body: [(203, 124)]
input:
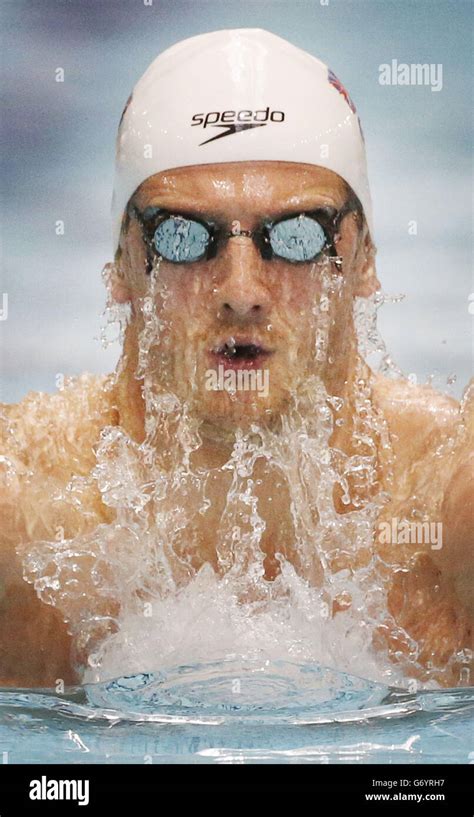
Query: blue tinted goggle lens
[(297, 239), (183, 240)]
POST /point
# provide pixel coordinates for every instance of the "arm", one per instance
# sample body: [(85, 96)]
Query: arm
[(456, 558), (433, 444), (34, 644)]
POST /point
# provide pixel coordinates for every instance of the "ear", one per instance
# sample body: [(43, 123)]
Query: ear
[(119, 290), (367, 281)]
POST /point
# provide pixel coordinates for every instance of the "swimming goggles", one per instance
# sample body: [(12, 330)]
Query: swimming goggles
[(184, 238)]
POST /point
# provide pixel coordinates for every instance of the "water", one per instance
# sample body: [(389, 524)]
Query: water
[(237, 711), (200, 658)]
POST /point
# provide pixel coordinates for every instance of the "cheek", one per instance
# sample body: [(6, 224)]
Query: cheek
[(294, 297), (182, 307), (316, 310), (184, 303)]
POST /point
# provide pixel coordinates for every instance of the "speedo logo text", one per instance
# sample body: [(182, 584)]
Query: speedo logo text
[(230, 122)]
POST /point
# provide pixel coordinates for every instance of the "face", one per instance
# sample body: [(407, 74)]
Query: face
[(237, 335)]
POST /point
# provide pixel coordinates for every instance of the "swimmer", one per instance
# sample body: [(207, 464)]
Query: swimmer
[(243, 236)]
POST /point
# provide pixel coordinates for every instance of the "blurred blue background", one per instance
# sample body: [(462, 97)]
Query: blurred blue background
[(58, 154)]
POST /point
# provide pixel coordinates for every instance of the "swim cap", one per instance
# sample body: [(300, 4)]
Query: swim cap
[(237, 95)]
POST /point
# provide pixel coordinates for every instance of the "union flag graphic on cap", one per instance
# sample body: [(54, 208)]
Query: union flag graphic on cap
[(340, 87)]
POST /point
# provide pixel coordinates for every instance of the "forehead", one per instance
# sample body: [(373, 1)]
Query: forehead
[(256, 186)]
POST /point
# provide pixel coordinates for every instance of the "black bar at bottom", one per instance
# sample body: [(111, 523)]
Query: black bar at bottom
[(62, 789)]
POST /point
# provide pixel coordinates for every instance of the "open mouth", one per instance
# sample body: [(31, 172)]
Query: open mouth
[(249, 351), (240, 353)]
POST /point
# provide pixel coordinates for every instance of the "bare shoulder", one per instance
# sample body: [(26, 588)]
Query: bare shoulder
[(420, 419), (45, 440), (431, 436), (46, 432)]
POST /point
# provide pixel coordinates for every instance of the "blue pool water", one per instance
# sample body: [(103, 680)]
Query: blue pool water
[(236, 711)]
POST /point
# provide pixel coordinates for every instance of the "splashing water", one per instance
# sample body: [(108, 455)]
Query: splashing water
[(152, 603)]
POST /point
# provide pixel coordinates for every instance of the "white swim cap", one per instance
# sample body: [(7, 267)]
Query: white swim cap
[(237, 95)]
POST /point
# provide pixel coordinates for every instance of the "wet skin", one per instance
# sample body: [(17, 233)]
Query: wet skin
[(238, 294)]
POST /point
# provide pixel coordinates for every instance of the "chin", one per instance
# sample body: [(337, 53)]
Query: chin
[(231, 397), (227, 412)]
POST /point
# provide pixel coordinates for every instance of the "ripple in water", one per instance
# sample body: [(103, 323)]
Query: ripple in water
[(218, 712)]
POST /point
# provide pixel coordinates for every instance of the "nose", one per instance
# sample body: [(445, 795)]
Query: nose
[(242, 296)]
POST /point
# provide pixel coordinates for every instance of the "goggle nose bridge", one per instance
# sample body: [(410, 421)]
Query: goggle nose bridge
[(233, 234), (259, 236)]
